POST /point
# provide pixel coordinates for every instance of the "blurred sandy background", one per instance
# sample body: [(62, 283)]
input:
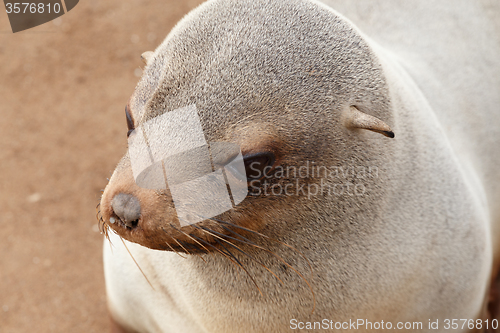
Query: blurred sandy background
[(63, 89)]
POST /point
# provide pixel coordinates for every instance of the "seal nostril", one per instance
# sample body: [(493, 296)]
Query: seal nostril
[(127, 208)]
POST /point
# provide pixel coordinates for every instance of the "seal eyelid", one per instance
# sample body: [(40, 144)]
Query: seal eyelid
[(130, 121), (258, 165)]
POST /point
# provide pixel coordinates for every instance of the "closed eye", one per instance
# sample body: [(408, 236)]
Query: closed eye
[(130, 121), (258, 165)]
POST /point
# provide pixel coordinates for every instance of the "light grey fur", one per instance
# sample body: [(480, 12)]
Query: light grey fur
[(419, 245)]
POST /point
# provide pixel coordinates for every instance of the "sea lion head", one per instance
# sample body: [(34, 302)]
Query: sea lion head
[(292, 84)]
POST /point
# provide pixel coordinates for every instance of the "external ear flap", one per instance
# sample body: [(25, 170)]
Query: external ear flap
[(353, 118), (147, 56)]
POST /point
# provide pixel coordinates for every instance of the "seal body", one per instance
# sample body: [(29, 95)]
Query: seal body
[(418, 242)]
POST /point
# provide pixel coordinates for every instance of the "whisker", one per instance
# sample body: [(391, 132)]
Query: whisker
[(267, 237), (239, 249), (220, 251), (241, 265), (175, 240), (170, 246), (203, 246), (249, 242), (275, 255), (103, 228), (136, 263), (236, 259), (195, 253), (111, 245), (180, 244)]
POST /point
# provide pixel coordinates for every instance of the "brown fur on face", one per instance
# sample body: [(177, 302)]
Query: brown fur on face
[(159, 227)]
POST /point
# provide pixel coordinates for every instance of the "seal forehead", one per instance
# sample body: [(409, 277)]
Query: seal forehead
[(269, 39), (253, 57)]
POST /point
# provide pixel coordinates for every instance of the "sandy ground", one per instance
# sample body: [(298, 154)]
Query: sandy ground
[(63, 89)]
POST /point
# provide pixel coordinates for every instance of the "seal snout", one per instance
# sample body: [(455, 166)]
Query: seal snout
[(127, 208)]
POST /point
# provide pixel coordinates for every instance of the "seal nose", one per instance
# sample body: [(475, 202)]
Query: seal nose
[(127, 208)]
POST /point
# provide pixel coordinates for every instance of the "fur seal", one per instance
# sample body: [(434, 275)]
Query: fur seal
[(407, 91)]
